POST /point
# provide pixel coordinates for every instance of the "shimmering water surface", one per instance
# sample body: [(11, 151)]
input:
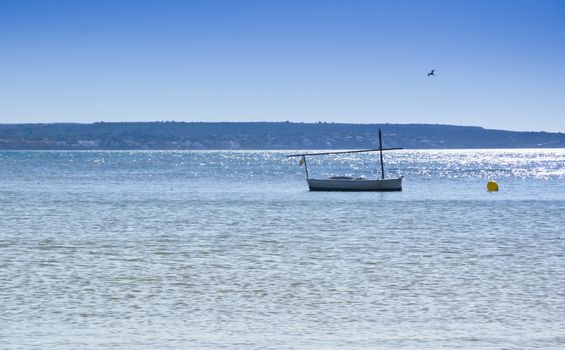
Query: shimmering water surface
[(228, 250)]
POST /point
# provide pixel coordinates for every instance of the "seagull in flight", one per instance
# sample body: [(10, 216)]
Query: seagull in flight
[(432, 73)]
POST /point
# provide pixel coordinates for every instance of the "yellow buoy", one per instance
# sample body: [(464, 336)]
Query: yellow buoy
[(492, 186)]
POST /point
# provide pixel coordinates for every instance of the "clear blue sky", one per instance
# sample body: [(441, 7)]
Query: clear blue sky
[(500, 64)]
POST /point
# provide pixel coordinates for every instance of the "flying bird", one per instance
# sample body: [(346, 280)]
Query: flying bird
[(432, 73)]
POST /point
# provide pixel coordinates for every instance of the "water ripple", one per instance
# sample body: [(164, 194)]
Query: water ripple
[(208, 250)]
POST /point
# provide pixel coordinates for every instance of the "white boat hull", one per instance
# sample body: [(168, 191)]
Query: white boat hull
[(343, 183)]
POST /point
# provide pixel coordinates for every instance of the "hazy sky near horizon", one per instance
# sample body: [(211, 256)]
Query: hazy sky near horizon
[(500, 64)]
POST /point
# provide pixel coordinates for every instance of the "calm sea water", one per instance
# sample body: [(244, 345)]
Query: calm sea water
[(229, 250)]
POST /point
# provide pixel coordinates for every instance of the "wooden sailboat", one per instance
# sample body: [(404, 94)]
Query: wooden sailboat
[(348, 183)]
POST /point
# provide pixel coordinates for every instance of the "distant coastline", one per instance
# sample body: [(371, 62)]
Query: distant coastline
[(261, 136)]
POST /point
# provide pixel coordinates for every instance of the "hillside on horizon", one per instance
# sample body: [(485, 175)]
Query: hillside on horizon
[(262, 136)]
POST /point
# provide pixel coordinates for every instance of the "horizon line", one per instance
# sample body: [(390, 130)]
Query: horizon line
[(272, 122)]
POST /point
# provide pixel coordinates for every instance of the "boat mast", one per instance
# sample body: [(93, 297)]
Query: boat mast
[(381, 152)]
